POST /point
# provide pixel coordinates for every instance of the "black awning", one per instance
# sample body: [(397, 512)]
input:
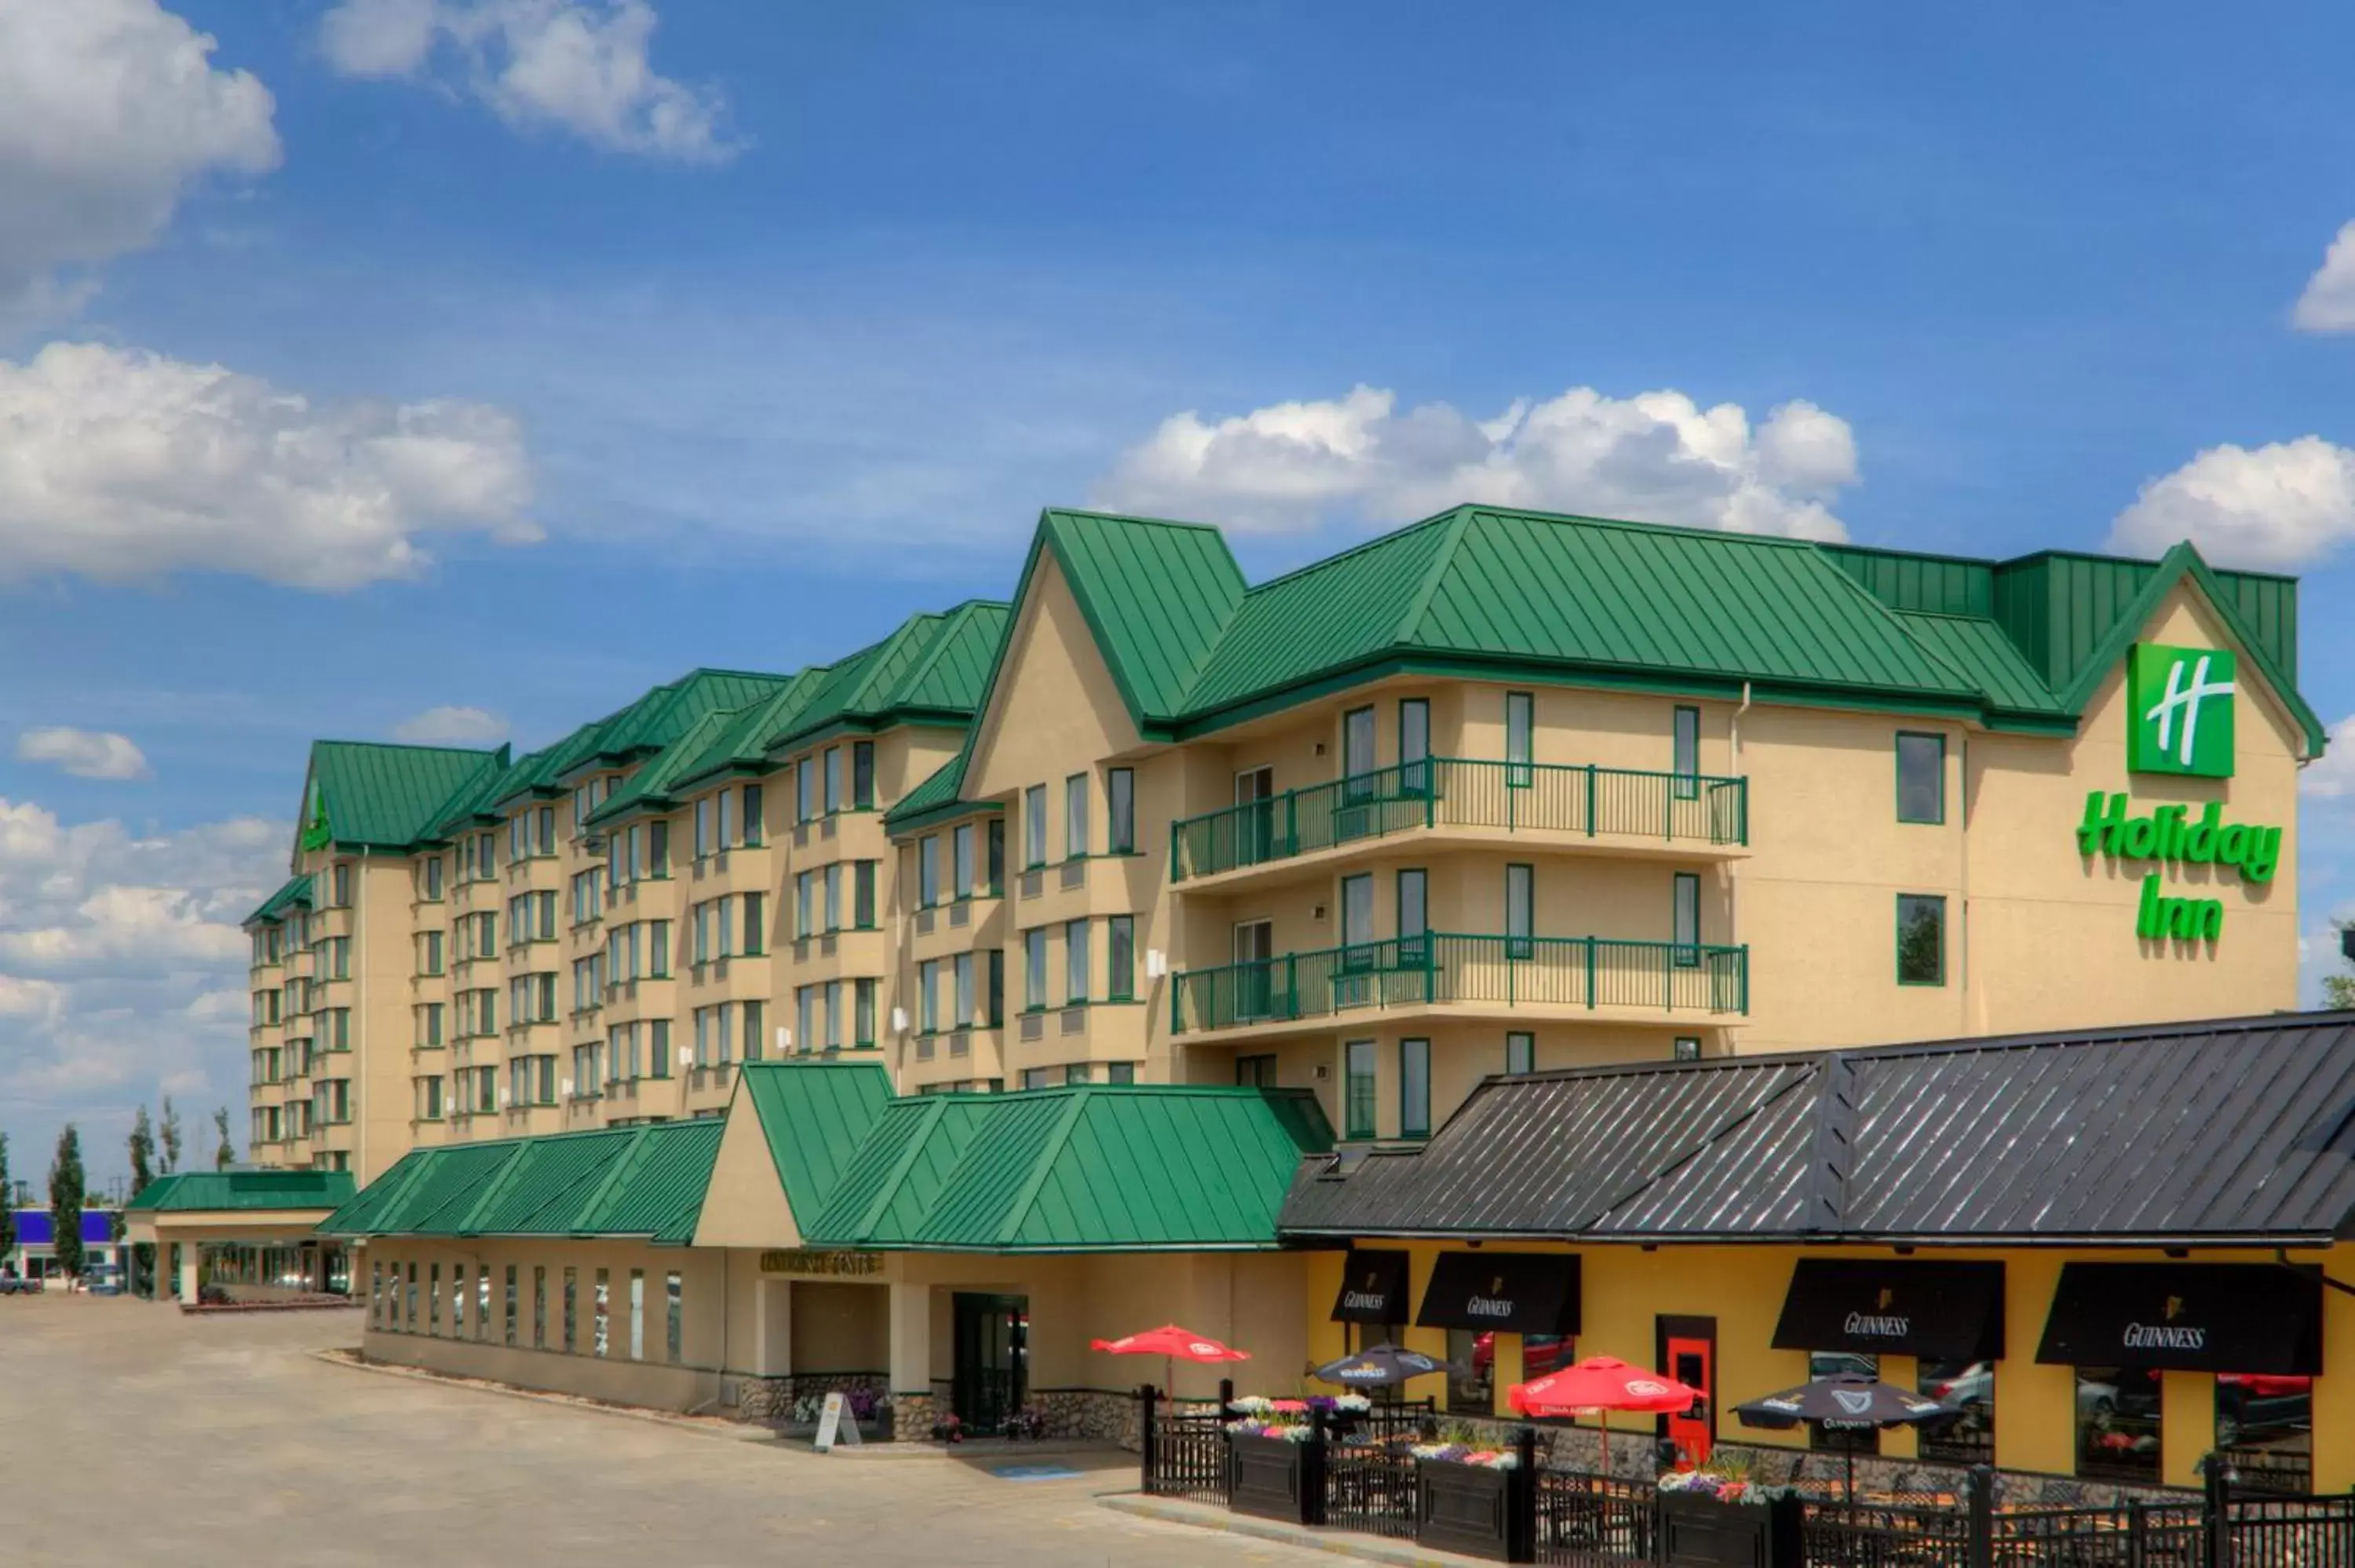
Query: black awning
[(1518, 1292), (1374, 1289), (1944, 1310), (2186, 1316)]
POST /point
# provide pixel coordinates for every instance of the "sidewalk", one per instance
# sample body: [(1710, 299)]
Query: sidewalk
[(1338, 1542)]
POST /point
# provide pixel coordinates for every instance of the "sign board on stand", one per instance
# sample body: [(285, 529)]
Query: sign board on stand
[(836, 1424)]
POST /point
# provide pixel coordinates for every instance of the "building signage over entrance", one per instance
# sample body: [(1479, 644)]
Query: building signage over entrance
[(2181, 710), (808, 1260)]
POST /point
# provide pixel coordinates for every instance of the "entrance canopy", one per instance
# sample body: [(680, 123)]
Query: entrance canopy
[(1374, 1287), (2186, 1316), (1517, 1292), (1942, 1311)]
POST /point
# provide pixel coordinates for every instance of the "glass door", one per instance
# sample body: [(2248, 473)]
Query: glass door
[(1254, 971), (1255, 825), (990, 1375)]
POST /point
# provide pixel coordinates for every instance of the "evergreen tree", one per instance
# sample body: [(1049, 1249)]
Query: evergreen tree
[(171, 1136), (143, 1152), (225, 1155), (65, 1201)]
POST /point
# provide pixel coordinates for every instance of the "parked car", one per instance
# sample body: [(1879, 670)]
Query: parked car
[(20, 1285), (104, 1279)]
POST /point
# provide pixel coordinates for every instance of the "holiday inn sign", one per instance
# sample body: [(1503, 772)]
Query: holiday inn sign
[(2179, 721)]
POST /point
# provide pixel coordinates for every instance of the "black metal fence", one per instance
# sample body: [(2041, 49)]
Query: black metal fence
[(1594, 1521)]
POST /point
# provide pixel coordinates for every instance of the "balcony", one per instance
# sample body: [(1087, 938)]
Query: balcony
[(1443, 975), (1614, 809)]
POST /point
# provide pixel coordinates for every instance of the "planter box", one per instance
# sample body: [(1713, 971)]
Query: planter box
[(1273, 1479), (1477, 1509), (1702, 1532)]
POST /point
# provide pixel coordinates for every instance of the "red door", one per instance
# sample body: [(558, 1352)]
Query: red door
[(1691, 1360)]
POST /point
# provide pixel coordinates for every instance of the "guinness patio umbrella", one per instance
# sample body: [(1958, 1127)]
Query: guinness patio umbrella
[(1602, 1384), (1171, 1343), (1382, 1366), (1838, 1403)]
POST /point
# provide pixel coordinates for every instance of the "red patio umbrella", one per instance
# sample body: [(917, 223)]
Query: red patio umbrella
[(1171, 1343), (1600, 1383)]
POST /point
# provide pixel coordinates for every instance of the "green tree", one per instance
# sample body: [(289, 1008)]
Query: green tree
[(171, 1136), (225, 1155), (66, 1187), (143, 1152)]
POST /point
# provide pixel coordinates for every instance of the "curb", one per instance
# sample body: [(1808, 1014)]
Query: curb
[(725, 1432), (1365, 1548)]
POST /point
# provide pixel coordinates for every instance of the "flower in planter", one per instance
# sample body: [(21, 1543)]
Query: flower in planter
[(1353, 1403)]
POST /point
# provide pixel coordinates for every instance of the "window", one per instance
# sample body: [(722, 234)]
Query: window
[(1921, 940), (752, 934), (1521, 911), (1076, 1072), (965, 992), (862, 775), (1075, 960), (458, 1294), (805, 1012), (960, 859), (410, 1317), (1120, 1072), (343, 885), (431, 870), (1684, 752), (1036, 1078), (927, 870), (1520, 727), (1414, 1089), (1686, 917), (658, 1048), (862, 894), (1521, 1051), (1357, 1072), (2118, 1426), (658, 850), (510, 1307), (1968, 1387), (1120, 804), (1075, 817), (429, 960), (538, 1305), (754, 831), (1471, 1376), (434, 1302), (602, 1309), (995, 995), (805, 912), (834, 897), (1357, 752), (997, 856), (428, 1099), (1921, 777), (674, 1317), (1687, 1048), (1413, 919), (1120, 957), (862, 993), (1034, 967), (637, 1314), (572, 1311), (658, 950), (805, 790), (1357, 919), (1034, 825), (928, 998), (833, 780), (833, 1014), (1414, 745)]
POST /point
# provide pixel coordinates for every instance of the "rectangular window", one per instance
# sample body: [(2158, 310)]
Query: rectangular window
[(2119, 1429), (658, 849), (862, 775), (862, 993), (1356, 918), (1075, 817), (1120, 804), (1521, 1051), (1075, 960), (1921, 940), (960, 859), (1414, 745), (1036, 1078), (658, 1048), (1684, 752), (1120, 1072), (1687, 919), (1687, 1048), (996, 995), (833, 780), (1034, 967), (637, 1314), (434, 1302), (928, 996), (805, 1015), (1414, 1089), (1520, 728), (434, 875), (754, 829), (1357, 1075), (833, 1014), (1921, 777), (410, 1313), (753, 936), (805, 910), (510, 1314), (1076, 1072), (1255, 1072), (572, 1311), (1120, 957), (343, 885), (1521, 911), (862, 894), (673, 1315), (834, 897), (927, 870), (1413, 916), (1034, 825), (601, 1306), (538, 1307), (1357, 752), (997, 856), (658, 949), (805, 790), (458, 1290), (964, 990)]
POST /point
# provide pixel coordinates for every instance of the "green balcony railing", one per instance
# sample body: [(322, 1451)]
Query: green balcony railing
[(1463, 792), (1448, 967)]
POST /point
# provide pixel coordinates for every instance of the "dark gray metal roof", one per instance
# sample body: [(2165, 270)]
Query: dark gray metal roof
[(2212, 1132)]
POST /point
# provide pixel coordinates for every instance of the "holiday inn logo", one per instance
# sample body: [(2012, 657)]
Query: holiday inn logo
[(2180, 718)]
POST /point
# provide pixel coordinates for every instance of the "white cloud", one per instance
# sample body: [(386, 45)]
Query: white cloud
[(2327, 303), (2277, 508), (125, 465), (1657, 458), (110, 111), (2331, 776), (451, 727), (579, 66), (123, 968), (84, 753)]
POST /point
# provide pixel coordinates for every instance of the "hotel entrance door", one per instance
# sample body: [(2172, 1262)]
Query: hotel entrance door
[(990, 1377), (1688, 1349)]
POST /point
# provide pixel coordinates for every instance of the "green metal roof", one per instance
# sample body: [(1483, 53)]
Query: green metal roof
[(1098, 1168), (1156, 594), (274, 908), (1979, 652), (655, 720), (644, 1181), (815, 1116), (249, 1192), (391, 797)]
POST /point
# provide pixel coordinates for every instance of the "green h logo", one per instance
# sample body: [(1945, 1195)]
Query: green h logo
[(2181, 717)]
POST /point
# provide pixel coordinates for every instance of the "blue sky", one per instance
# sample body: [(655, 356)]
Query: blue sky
[(775, 323)]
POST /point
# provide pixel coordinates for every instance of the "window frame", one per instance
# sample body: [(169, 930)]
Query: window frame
[(1526, 1041), (1521, 709), (1120, 811), (1120, 957), (1351, 1052), (1938, 901), (1034, 827), (1521, 944), (1414, 1120), (1684, 895), (1897, 750), (1076, 805)]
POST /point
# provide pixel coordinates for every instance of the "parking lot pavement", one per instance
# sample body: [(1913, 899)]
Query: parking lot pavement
[(132, 1433)]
